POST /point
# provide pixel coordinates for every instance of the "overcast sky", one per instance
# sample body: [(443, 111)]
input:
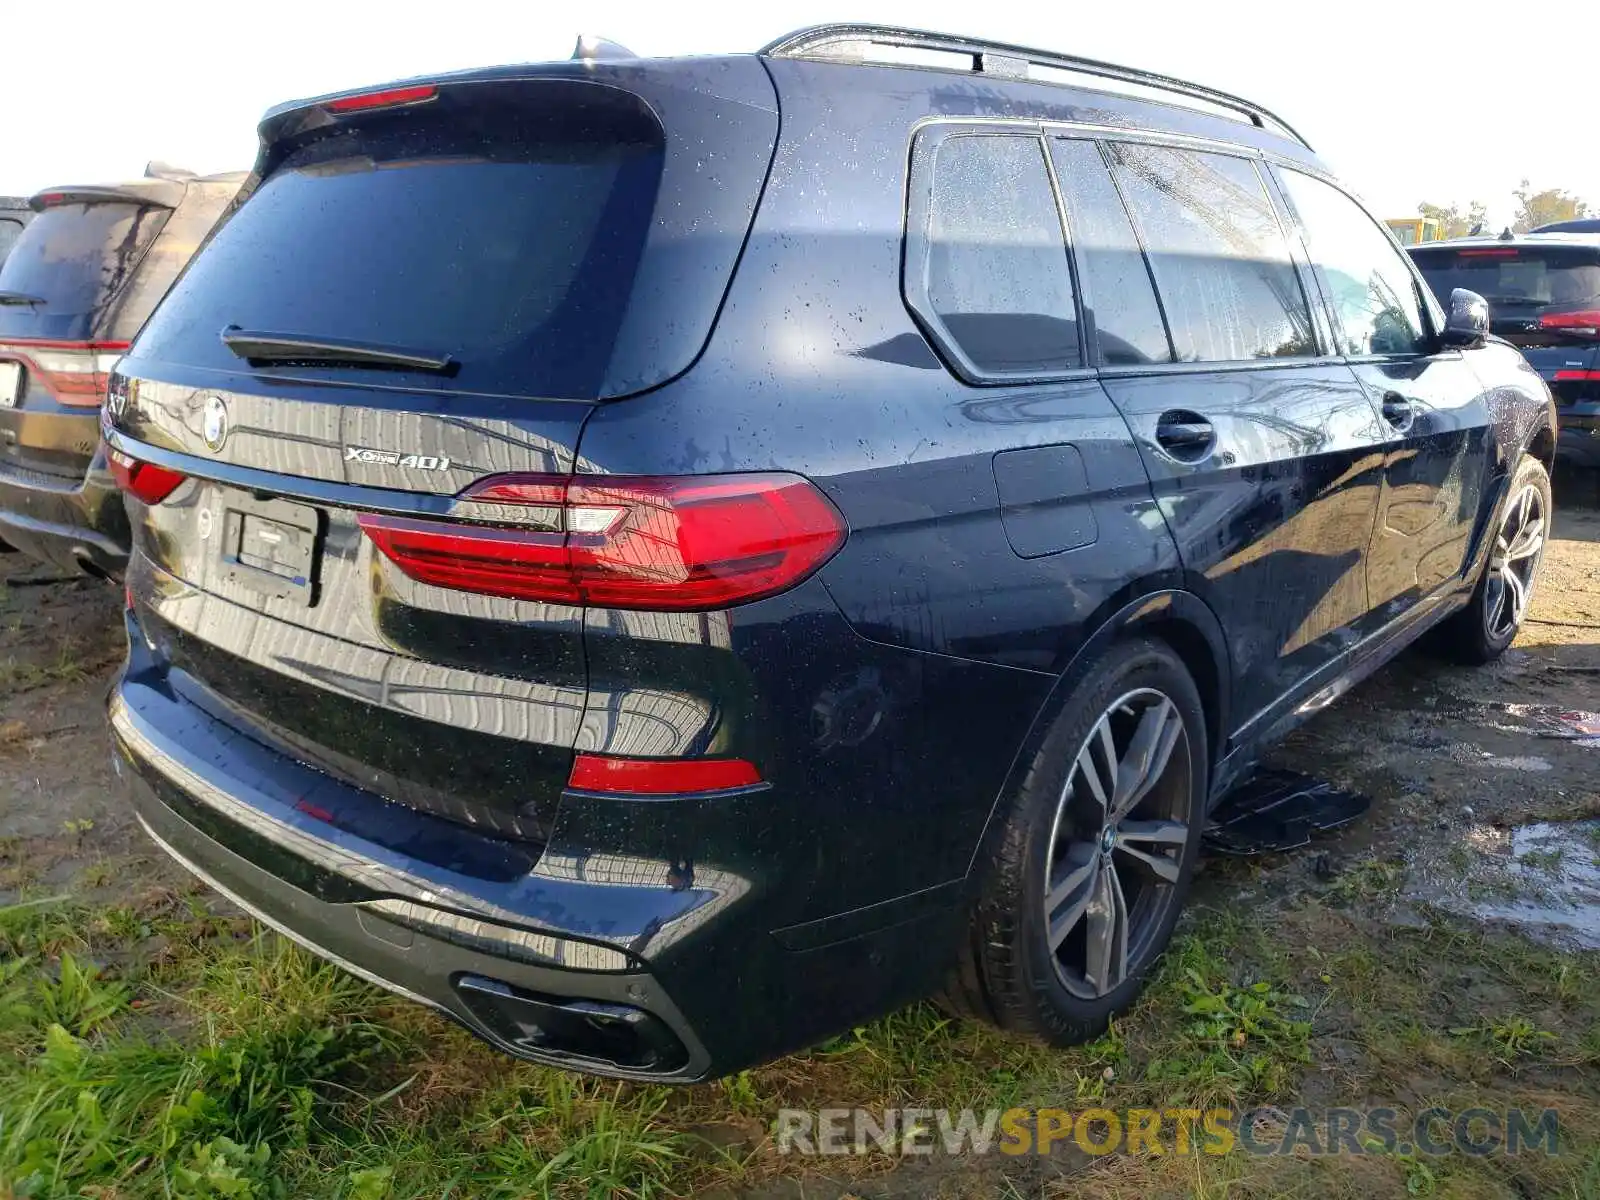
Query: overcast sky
[(1406, 101)]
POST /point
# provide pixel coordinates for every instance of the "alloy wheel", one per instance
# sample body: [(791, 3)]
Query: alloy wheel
[(1513, 563), (1117, 842)]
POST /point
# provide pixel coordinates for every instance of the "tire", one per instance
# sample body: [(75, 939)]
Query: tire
[(1490, 622), (1007, 972)]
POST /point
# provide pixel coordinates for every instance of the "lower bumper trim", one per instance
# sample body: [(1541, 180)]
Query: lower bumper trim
[(298, 939)]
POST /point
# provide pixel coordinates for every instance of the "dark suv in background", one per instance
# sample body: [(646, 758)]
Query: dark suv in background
[(664, 559), (1543, 291), (79, 282)]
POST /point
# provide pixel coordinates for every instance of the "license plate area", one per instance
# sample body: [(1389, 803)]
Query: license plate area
[(10, 384), (272, 547)]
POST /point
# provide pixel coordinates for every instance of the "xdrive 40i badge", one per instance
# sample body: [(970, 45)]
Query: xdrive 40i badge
[(393, 458)]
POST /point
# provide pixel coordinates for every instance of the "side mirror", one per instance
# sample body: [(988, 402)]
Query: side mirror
[(1468, 322)]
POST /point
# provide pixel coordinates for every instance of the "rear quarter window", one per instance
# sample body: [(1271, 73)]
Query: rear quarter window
[(986, 258)]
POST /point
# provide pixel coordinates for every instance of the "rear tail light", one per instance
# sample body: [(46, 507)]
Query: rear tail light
[(75, 373), (141, 480), (664, 544), (1578, 376), (386, 98), (660, 776), (1585, 324)]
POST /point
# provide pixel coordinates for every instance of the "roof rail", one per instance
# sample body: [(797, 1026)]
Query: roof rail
[(849, 42)]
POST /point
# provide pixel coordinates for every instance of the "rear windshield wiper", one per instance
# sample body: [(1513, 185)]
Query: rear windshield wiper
[(257, 347), (20, 298)]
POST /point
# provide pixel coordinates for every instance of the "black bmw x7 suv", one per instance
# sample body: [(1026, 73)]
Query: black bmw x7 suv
[(664, 559)]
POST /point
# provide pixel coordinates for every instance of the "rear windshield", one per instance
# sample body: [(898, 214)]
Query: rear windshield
[(10, 231), (75, 260), (506, 236), (1525, 279)]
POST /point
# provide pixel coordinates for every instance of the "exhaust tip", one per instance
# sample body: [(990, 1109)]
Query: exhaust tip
[(88, 566)]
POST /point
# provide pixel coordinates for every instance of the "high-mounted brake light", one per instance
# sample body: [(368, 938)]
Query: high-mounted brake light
[(141, 480), (73, 372), (387, 98), (1496, 252), (656, 543), (659, 776), (1584, 324)]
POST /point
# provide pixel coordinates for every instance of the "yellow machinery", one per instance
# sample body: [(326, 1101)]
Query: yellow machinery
[(1411, 230)]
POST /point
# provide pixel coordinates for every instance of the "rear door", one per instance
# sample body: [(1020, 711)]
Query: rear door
[(1439, 453), (1264, 451), (425, 287)]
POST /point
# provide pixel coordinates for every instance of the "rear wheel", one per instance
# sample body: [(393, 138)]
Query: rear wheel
[(1084, 878), (1490, 622)]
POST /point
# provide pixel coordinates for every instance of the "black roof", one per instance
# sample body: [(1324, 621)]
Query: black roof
[(1580, 225)]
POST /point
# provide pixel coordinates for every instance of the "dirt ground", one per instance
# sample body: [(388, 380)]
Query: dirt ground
[(1485, 787)]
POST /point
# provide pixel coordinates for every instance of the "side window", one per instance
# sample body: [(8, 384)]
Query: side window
[(986, 259), (1369, 285), (1218, 252), (1124, 315)]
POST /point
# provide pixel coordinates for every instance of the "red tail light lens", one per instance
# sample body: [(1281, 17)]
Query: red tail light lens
[(75, 373), (1578, 376), (659, 776), (141, 480), (387, 98), (664, 544), (1585, 323)]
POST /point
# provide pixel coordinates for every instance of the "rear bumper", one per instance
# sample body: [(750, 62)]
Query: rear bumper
[(532, 948), (436, 973), (79, 525)]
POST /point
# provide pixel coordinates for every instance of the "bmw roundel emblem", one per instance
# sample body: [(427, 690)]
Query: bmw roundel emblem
[(215, 426)]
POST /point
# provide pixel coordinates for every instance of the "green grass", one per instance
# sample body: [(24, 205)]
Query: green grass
[(67, 667), (267, 1072), (160, 1048)]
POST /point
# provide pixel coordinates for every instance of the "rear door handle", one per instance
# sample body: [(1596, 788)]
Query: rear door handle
[(1186, 436), (1399, 410)]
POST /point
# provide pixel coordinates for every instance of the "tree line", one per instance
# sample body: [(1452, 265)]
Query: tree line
[(1533, 210)]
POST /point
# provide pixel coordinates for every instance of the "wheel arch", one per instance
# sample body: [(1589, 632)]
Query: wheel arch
[(1542, 445), (1188, 626)]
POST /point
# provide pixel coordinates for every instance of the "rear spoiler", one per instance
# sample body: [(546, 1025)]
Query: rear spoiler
[(152, 193)]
